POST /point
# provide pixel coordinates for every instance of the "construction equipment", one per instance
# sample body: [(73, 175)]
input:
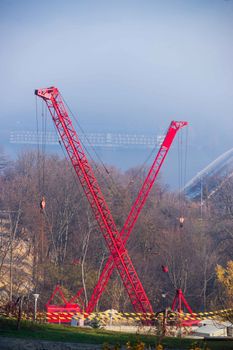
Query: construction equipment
[(136, 209), (114, 240), (62, 313), (177, 303), (96, 199)]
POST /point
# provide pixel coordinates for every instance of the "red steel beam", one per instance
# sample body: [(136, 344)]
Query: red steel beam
[(96, 199), (135, 210)]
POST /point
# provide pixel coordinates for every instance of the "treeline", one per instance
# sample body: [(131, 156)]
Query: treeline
[(62, 244)]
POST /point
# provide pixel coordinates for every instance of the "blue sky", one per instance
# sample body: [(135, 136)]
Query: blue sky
[(122, 65)]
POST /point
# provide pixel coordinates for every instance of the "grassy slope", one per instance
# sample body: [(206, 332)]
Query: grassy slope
[(90, 336)]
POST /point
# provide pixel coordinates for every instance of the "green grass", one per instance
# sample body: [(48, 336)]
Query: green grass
[(51, 332)]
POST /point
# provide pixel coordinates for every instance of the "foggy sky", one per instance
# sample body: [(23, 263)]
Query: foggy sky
[(122, 65)]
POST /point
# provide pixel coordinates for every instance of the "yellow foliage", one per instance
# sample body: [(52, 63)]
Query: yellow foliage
[(159, 347), (225, 277), (137, 346)]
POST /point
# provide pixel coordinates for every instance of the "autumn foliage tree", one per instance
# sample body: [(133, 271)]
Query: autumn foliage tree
[(225, 278), (65, 245)]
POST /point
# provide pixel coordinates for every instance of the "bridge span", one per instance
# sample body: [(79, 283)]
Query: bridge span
[(206, 182)]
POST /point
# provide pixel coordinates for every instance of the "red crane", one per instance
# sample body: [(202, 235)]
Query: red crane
[(59, 312), (135, 210), (115, 240), (96, 199)]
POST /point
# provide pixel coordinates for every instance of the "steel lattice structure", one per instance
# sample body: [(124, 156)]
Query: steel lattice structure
[(115, 240), (135, 210)]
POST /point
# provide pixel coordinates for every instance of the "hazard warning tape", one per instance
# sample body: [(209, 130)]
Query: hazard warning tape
[(59, 317), (126, 316), (106, 316), (224, 313)]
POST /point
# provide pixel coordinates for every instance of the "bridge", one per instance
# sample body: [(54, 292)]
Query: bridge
[(211, 178), (103, 140)]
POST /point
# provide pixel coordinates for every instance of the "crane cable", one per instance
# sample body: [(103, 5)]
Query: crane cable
[(38, 147), (41, 149), (182, 169), (44, 139), (142, 168), (112, 185), (71, 169), (109, 181), (75, 178)]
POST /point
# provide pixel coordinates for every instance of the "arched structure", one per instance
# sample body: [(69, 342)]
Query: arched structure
[(208, 181)]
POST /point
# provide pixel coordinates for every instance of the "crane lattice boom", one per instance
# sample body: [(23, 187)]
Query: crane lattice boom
[(115, 241), (96, 199), (136, 209)]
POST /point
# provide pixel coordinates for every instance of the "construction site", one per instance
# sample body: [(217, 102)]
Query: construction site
[(116, 166), (144, 311)]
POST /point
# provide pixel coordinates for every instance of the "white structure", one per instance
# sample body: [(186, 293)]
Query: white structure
[(212, 328), (103, 140)]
